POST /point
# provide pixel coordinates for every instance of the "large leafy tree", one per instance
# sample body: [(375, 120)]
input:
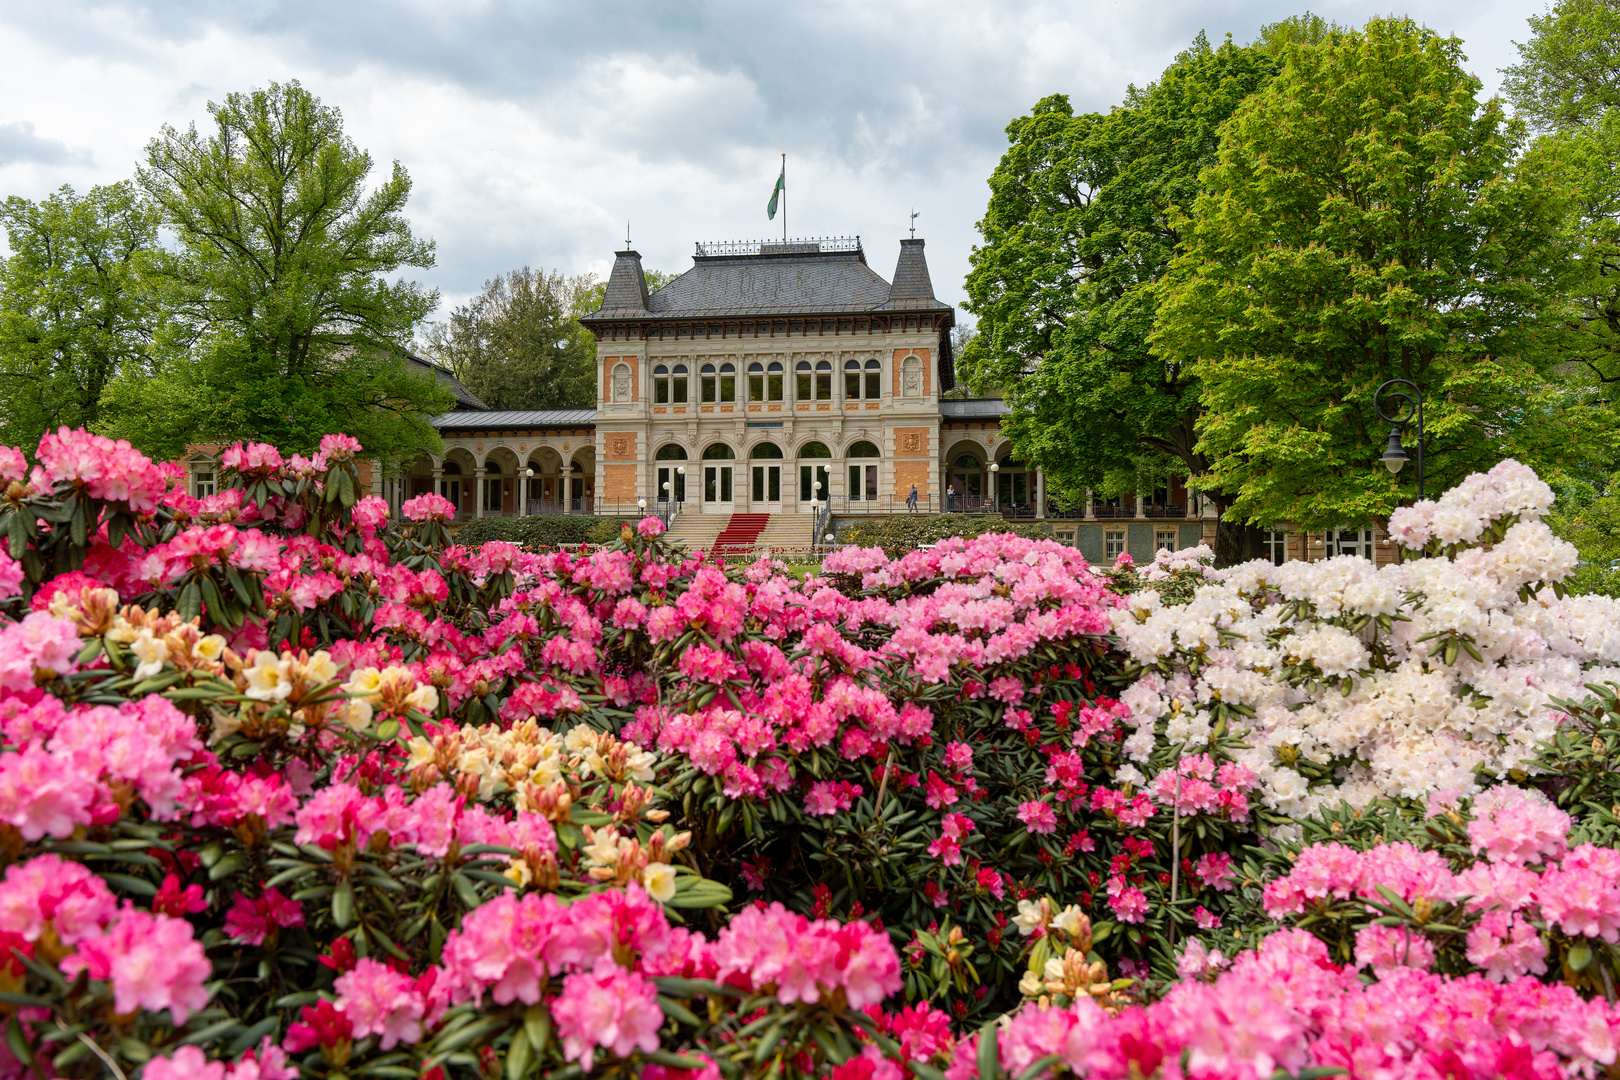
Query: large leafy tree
[(1568, 74), (296, 325), (1084, 216), (1368, 218), (519, 344), (72, 310)]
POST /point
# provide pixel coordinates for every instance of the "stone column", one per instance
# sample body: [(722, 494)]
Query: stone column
[(478, 492), (438, 481), (1091, 506), (1141, 507), (1040, 494)]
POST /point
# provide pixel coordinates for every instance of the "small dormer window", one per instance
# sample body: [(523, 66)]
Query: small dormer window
[(202, 484)]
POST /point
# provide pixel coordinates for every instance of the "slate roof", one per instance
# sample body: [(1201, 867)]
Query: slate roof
[(973, 408), (626, 292), (511, 418), (912, 288), (792, 282), (465, 399)]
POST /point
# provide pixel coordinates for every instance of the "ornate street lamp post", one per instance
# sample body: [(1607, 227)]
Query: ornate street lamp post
[(1405, 401)]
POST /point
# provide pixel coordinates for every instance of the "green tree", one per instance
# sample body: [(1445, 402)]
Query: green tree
[(1084, 216), (1568, 74), (1588, 516), (1368, 218), (293, 326), (519, 345), (72, 312)]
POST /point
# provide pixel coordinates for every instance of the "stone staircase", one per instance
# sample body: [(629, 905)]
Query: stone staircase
[(785, 533), (740, 533), (697, 532)]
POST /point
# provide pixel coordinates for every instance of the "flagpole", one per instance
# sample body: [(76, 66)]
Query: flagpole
[(784, 197)]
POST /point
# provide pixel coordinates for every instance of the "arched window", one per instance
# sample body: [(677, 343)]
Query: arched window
[(670, 452), (874, 380), (965, 461), (756, 381), (823, 381), (677, 385), (706, 382), (661, 384), (814, 450), (862, 449), (718, 452), (621, 382), (766, 450), (728, 383), (773, 382), (806, 379), (852, 380)]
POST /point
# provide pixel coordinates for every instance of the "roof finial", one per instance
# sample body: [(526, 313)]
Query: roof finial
[(627, 235), (914, 224)]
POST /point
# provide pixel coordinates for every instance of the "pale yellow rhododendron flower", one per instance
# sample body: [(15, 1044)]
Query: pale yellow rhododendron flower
[(150, 651), (269, 677), (659, 881)]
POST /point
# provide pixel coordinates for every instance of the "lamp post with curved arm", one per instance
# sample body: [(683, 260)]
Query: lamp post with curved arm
[(1405, 401)]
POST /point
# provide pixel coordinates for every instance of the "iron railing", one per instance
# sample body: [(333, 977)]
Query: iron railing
[(809, 245)]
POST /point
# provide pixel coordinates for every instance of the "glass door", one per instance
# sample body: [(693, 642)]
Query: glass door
[(809, 477), (717, 489), (767, 490), (676, 482)]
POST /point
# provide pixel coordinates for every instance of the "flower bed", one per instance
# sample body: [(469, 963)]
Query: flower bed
[(288, 786)]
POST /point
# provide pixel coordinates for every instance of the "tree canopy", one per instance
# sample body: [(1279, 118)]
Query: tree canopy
[(519, 344), (73, 311), (293, 325), (1367, 218), (1085, 214)]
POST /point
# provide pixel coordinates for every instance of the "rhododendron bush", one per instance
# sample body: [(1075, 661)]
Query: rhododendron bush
[(291, 786)]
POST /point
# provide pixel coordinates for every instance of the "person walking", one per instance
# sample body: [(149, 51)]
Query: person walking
[(911, 500)]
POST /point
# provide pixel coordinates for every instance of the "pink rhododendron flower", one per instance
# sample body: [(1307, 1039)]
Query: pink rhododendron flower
[(1518, 826), (1038, 817), (378, 1000), (50, 891), (153, 962), (1383, 948), (254, 920), (607, 1009)]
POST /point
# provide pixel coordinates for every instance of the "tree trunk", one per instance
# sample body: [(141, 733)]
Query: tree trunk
[(1235, 542)]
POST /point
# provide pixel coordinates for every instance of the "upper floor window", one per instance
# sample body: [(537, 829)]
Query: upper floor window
[(728, 382), (202, 484), (859, 383), (678, 385), (706, 381), (815, 383), (661, 384)]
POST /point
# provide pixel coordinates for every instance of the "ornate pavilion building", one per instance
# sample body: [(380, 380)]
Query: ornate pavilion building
[(770, 376)]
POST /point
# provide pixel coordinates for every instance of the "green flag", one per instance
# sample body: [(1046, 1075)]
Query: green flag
[(781, 186)]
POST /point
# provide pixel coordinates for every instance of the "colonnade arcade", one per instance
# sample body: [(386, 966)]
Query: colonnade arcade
[(510, 479)]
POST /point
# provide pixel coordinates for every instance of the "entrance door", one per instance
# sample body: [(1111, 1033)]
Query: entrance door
[(809, 476), (863, 483), (717, 489), (676, 481), (767, 492), (967, 490)]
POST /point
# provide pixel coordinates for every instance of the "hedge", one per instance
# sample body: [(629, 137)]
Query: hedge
[(912, 531), (541, 531)]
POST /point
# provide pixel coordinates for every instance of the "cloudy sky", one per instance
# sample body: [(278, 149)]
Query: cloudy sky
[(535, 130)]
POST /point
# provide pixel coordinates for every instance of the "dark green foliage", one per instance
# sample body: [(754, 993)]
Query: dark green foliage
[(290, 321), (542, 531), (519, 344), (1084, 216), (73, 312), (912, 531)]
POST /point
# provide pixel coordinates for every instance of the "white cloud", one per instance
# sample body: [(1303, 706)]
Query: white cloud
[(533, 131)]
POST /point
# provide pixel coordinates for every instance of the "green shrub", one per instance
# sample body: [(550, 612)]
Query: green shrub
[(541, 531), (912, 531)]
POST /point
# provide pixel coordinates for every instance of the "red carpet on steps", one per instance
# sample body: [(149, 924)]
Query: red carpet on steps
[(740, 533)]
